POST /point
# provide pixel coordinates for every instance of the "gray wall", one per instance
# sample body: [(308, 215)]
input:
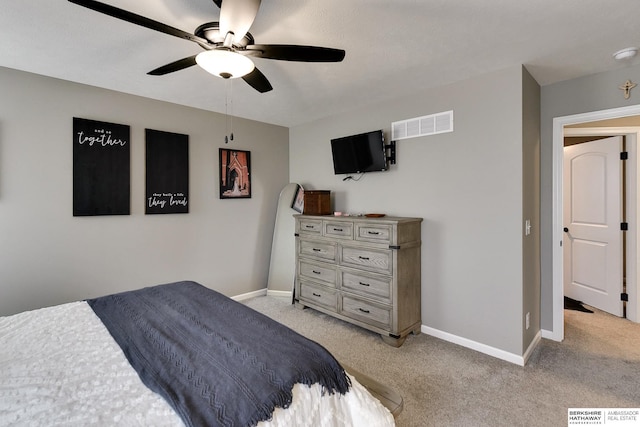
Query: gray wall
[(468, 187), (471, 186), (47, 256), (586, 94), (531, 207)]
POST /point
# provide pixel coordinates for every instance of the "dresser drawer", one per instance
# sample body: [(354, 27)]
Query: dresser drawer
[(367, 285), (339, 229), (320, 250), (319, 295), (369, 259), (311, 226), (366, 312), (323, 273), (377, 233)]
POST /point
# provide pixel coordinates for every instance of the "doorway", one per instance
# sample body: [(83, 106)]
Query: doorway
[(560, 127)]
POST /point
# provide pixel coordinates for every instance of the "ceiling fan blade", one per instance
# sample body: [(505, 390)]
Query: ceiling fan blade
[(140, 20), (258, 81), (288, 52), (178, 65), (237, 16)]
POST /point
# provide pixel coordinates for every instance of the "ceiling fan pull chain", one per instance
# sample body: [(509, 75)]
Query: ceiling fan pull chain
[(231, 109), (226, 112)]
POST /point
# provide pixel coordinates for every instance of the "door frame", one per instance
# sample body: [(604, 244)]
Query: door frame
[(559, 124)]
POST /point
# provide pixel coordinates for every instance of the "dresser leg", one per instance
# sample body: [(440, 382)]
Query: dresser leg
[(393, 342)]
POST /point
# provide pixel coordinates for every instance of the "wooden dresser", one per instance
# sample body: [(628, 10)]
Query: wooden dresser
[(365, 271)]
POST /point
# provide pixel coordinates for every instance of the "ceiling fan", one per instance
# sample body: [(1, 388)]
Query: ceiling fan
[(227, 43)]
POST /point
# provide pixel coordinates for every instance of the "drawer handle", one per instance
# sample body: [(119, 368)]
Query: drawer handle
[(317, 250), (308, 226), (364, 311), (364, 258), (338, 229), (364, 284), (315, 272), (375, 233), (316, 295)]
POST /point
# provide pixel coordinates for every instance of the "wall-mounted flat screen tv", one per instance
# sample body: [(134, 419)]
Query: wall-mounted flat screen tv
[(359, 153)]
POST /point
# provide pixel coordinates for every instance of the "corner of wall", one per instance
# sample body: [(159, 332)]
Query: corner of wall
[(530, 210)]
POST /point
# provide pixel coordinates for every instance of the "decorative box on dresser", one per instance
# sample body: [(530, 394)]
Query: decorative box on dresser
[(362, 270)]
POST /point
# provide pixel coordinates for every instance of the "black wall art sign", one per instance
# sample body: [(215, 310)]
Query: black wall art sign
[(167, 173), (101, 168)]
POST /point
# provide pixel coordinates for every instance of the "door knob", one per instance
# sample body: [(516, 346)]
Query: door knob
[(566, 230)]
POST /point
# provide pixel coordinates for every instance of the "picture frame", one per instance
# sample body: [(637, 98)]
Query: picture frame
[(297, 204), (101, 168), (235, 174), (167, 172)]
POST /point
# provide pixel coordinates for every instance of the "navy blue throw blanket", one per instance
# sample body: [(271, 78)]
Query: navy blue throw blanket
[(216, 361)]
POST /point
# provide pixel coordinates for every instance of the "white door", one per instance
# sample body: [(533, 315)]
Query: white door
[(592, 215)]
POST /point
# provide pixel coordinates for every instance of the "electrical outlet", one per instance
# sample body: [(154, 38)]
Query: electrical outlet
[(527, 320)]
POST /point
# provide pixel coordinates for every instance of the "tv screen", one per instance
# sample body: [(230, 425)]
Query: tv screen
[(359, 153)]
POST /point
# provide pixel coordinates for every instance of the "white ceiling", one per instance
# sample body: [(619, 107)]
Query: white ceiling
[(393, 48)]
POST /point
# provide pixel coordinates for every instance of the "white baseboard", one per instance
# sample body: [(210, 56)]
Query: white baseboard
[(534, 343), (550, 335), (242, 297), (285, 294), (261, 293), (483, 348)]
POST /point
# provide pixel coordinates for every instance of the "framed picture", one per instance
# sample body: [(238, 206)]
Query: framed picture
[(297, 204), (101, 168), (167, 172), (235, 174)]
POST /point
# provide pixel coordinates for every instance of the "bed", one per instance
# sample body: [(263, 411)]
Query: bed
[(171, 355)]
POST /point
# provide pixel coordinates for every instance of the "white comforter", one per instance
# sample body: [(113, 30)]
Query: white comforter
[(60, 366)]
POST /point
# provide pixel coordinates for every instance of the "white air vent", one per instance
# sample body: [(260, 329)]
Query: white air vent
[(422, 126)]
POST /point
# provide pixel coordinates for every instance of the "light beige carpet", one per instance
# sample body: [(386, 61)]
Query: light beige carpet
[(443, 384)]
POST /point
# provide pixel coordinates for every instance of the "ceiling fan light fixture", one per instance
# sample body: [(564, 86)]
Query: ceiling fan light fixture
[(225, 63), (625, 53)]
